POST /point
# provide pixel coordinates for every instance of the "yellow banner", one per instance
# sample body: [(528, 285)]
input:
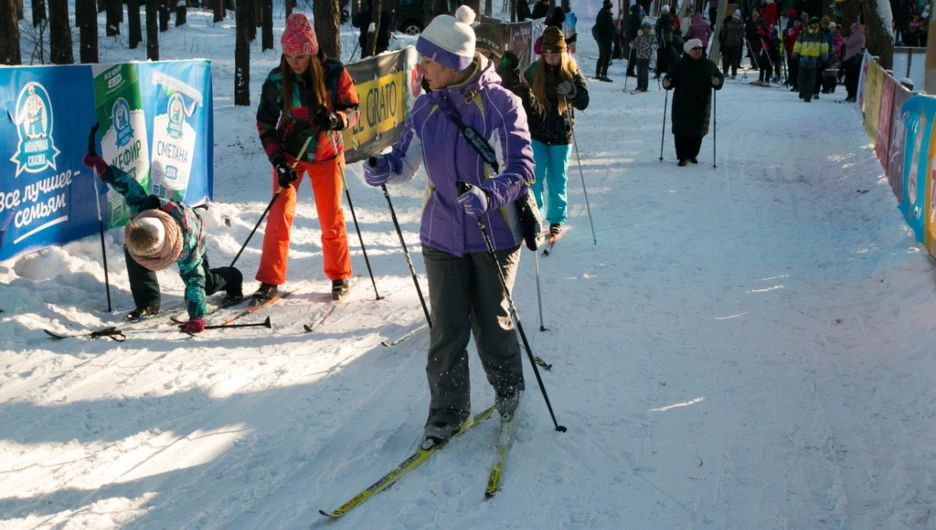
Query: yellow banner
[(872, 99), (382, 109)]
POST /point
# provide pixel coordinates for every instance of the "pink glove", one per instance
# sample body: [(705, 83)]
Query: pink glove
[(94, 162), (194, 325)]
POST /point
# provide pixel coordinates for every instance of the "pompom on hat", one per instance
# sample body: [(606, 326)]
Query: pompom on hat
[(299, 37), (153, 239), (448, 40)]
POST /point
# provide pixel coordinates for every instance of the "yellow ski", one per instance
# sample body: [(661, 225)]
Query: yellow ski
[(405, 467), (503, 440)]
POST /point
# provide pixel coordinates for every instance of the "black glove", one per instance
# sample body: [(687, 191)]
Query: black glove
[(285, 174), (327, 121)]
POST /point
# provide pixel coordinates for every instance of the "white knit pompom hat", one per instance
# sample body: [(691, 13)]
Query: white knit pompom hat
[(449, 40), (690, 44)]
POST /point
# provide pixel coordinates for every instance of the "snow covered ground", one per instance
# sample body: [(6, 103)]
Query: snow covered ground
[(746, 347)]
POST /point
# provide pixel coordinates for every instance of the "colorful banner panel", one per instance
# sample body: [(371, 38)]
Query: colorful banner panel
[(156, 120), (884, 119), (919, 112), (872, 98), (898, 138)]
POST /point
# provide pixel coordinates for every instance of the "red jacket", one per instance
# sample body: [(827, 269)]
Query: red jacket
[(789, 40), (769, 13)]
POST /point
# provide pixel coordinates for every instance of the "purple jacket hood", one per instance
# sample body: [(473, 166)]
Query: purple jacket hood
[(431, 138)]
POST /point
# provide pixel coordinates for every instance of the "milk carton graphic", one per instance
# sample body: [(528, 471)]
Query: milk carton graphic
[(173, 137), (124, 142)]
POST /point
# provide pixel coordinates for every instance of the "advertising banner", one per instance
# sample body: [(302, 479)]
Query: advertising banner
[(155, 122), (872, 99), (387, 86), (898, 136), (882, 144), (919, 112)]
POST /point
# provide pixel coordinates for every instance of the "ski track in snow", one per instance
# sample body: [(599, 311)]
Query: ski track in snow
[(745, 347)]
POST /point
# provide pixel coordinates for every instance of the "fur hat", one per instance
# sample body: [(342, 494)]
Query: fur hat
[(299, 37), (553, 40), (692, 43), (153, 239), (489, 37), (449, 40)]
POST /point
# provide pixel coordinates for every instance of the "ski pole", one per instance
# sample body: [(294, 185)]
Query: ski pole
[(275, 195), (100, 218), (464, 188), (357, 228), (663, 134), (539, 297), (714, 128), (409, 261), (265, 324), (578, 158)]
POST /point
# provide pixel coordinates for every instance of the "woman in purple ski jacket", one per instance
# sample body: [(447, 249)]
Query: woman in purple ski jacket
[(464, 289)]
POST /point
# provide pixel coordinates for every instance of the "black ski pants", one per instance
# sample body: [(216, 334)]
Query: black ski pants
[(731, 58), (604, 59), (145, 286), (643, 74), (807, 82), (852, 72)]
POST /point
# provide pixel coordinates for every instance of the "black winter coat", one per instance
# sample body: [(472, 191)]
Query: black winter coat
[(523, 11), (691, 81), (546, 124), (541, 9), (633, 23), (604, 26)]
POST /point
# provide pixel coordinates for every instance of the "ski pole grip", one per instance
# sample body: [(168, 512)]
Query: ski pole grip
[(463, 187), (91, 136)]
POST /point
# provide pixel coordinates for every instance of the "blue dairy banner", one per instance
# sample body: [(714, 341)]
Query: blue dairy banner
[(919, 113), (46, 196), (156, 123)]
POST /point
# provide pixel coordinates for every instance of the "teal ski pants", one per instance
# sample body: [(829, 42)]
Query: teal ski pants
[(552, 169)]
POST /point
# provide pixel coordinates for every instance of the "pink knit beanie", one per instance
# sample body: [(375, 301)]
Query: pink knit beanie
[(299, 37)]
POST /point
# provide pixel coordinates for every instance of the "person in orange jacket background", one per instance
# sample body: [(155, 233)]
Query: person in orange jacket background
[(306, 101)]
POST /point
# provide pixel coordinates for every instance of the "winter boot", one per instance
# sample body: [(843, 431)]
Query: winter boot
[(682, 163), (142, 312), (693, 160), (507, 403), (264, 294), (340, 289), (555, 230), (232, 297), (438, 433)]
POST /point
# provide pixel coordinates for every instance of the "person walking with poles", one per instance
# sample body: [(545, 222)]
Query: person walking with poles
[(465, 290), (305, 102), (693, 77), (558, 86)]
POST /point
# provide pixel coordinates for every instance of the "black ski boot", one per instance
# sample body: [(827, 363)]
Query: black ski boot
[(507, 403), (232, 297), (264, 294), (142, 312), (340, 289)]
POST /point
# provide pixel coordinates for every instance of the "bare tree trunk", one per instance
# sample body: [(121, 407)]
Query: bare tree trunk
[(243, 23), (376, 8), (38, 12), (327, 15), (164, 15), (218, 7), (86, 19), (513, 10), (250, 14), (258, 13), (112, 19), (489, 8), (9, 34), (267, 30), (60, 37), (180, 14), (475, 6), (851, 11), (879, 36), (152, 30), (20, 10), (135, 29), (290, 5)]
